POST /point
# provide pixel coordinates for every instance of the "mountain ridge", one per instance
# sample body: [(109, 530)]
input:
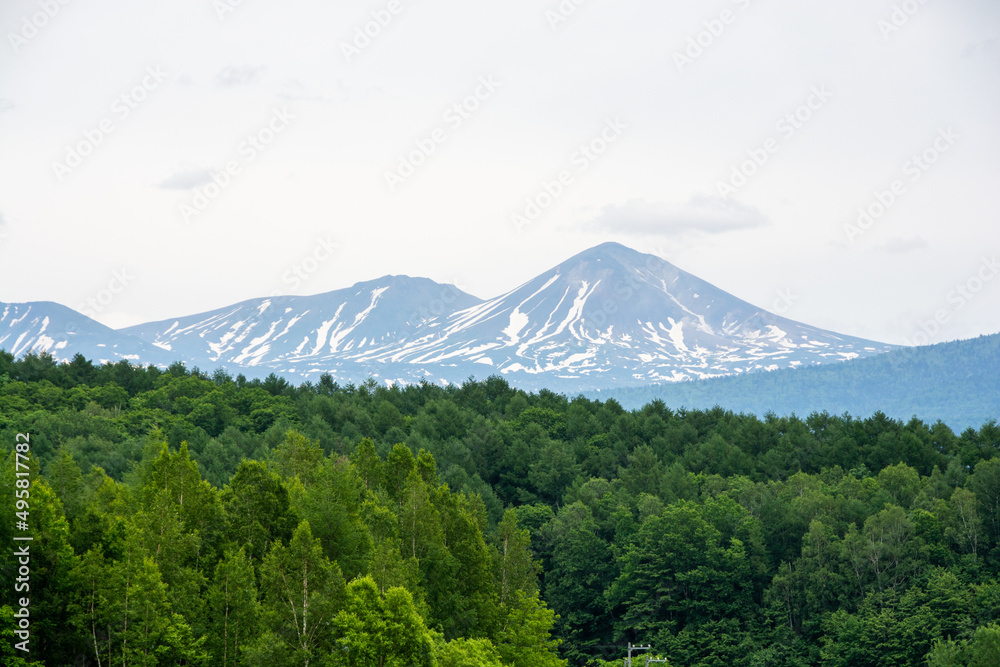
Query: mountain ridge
[(47, 326), (608, 316), (957, 382)]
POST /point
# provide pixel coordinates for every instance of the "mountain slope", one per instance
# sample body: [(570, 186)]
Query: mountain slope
[(612, 316), (957, 382), (44, 326), (288, 331), (606, 317)]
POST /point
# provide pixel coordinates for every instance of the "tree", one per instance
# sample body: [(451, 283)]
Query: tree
[(964, 525), (233, 608), (9, 655), (513, 566), (985, 483), (302, 590), (298, 456), (644, 472), (423, 543), (471, 604), (172, 479), (889, 548), (257, 508), (369, 466), (124, 609), (582, 568), (64, 475), (332, 506), (466, 653), (51, 592), (554, 471), (525, 636), (680, 571), (376, 631), (398, 466)]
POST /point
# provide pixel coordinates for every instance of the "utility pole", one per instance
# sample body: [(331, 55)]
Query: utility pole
[(652, 660), (628, 661)]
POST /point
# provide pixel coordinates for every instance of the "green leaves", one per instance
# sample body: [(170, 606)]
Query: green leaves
[(719, 538), (301, 590), (257, 509), (466, 653), (373, 630), (332, 503), (233, 608), (524, 639), (124, 611)]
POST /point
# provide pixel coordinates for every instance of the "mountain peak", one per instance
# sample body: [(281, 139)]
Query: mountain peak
[(624, 256), (608, 249), (610, 316)]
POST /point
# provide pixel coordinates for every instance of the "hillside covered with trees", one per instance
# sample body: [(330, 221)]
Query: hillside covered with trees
[(957, 382), (181, 518)]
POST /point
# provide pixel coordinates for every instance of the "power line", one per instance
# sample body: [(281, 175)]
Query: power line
[(628, 661)]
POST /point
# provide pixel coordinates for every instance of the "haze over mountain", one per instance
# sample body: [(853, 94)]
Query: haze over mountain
[(607, 317)]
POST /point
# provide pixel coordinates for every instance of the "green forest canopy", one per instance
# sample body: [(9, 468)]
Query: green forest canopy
[(181, 518)]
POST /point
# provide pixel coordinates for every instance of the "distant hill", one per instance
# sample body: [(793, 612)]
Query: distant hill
[(957, 382)]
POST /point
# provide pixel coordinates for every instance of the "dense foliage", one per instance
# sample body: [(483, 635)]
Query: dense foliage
[(187, 519)]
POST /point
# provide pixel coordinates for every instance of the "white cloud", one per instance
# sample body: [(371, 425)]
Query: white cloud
[(899, 246), (706, 215), (186, 179), (234, 75)]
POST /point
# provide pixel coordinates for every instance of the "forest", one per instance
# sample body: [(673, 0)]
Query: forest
[(957, 382), (187, 518)]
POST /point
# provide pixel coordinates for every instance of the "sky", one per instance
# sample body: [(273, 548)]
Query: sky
[(835, 163)]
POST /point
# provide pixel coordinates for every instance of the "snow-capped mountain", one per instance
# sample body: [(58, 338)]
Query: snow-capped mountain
[(607, 317), (285, 331), (611, 316), (44, 326)]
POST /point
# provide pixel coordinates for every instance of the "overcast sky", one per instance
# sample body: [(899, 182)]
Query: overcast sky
[(190, 154)]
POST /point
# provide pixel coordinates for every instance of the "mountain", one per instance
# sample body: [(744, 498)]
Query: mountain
[(956, 382), (607, 317), (611, 316), (44, 326), (335, 332)]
